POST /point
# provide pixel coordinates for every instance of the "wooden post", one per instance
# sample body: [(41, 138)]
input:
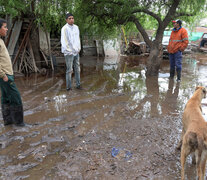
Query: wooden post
[(49, 49)]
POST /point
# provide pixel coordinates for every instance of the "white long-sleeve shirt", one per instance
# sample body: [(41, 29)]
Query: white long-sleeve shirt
[(70, 39)]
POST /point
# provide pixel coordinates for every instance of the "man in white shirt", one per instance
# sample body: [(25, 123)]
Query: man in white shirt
[(70, 47)]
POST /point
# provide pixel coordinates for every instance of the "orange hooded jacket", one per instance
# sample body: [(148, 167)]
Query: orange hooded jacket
[(178, 40)]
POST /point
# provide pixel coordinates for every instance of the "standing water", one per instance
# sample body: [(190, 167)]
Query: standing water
[(122, 125)]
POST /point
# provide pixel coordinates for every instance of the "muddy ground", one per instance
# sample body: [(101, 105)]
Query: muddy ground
[(122, 125)]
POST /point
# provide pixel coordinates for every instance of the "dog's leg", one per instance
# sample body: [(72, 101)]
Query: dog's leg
[(198, 164), (183, 159), (203, 165), (181, 139), (199, 172), (185, 151), (179, 145), (193, 158)]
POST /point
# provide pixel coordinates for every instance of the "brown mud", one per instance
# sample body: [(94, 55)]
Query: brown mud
[(122, 125)]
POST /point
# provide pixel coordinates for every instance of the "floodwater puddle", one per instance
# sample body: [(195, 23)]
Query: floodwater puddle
[(71, 135)]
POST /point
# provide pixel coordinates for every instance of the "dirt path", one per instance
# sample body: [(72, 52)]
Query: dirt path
[(120, 126)]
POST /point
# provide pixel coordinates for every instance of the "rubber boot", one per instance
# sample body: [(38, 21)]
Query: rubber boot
[(17, 115), (6, 114), (172, 73), (178, 75)]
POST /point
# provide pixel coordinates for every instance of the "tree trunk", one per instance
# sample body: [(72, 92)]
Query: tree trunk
[(154, 60)]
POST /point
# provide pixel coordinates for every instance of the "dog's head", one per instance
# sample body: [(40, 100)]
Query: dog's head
[(203, 90)]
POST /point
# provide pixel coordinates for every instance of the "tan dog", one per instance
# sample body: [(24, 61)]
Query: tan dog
[(194, 100), (194, 134)]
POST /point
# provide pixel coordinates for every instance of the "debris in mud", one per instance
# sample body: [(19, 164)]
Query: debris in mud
[(112, 136), (121, 153), (137, 48), (79, 148)]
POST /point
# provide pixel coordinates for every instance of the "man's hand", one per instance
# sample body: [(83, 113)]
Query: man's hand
[(5, 78)]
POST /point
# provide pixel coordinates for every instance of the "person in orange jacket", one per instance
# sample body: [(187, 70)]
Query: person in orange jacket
[(177, 44)]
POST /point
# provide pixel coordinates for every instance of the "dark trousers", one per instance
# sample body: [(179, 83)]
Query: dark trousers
[(176, 61), (9, 92), (12, 109)]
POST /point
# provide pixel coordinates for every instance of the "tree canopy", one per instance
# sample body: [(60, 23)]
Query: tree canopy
[(48, 13), (145, 14), (106, 16)]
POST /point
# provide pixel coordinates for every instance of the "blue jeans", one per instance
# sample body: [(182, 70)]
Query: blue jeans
[(72, 61), (176, 61)]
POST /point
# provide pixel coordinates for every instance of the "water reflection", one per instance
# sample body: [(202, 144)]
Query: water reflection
[(153, 96), (147, 98), (59, 102), (169, 105), (111, 63), (128, 79), (150, 95)]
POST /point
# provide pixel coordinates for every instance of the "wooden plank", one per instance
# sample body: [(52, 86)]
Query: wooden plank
[(9, 35), (32, 56), (44, 57), (48, 43), (22, 58), (23, 42), (14, 36), (43, 40)]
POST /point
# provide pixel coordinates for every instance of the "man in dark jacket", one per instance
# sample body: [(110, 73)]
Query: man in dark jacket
[(11, 103)]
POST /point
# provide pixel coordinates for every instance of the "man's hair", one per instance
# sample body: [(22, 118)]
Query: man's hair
[(68, 15), (179, 22), (2, 21)]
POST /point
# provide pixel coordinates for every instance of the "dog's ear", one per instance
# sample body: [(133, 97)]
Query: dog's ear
[(205, 140), (197, 88), (204, 92)]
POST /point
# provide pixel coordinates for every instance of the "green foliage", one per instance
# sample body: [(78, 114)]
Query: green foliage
[(51, 13), (48, 13), (13, 7), (107, 14)]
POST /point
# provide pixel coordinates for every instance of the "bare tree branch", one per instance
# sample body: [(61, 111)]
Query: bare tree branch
[(171, 13), (149, 13), (184, 14), (141, 30)]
